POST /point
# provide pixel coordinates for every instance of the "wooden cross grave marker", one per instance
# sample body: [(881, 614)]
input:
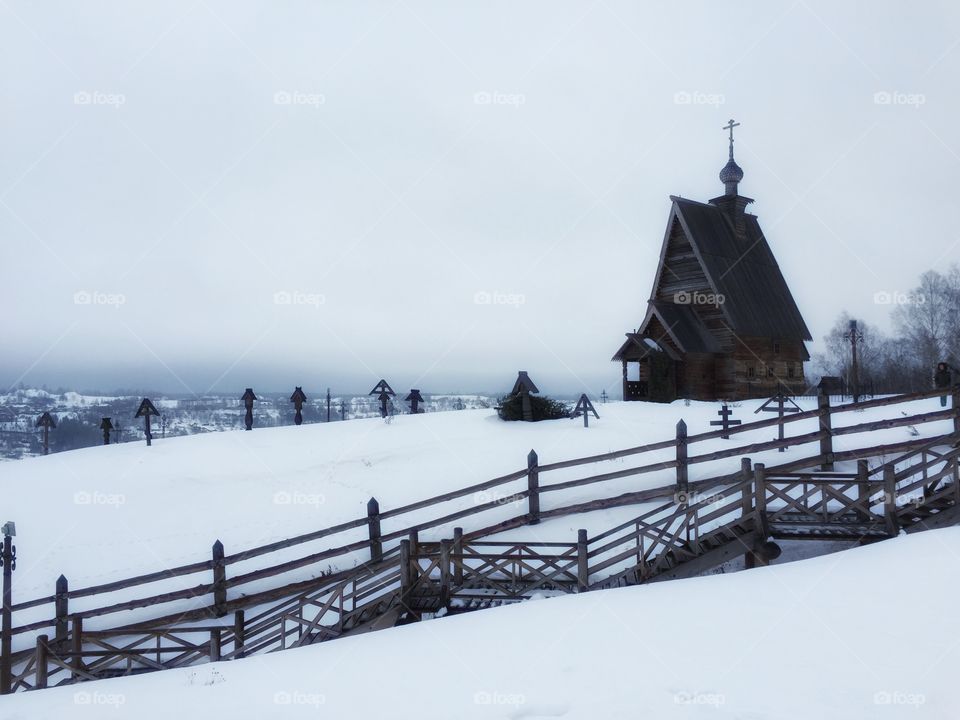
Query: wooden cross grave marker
[(146, 411), (46, 421), (106, 426), (298, 398), (584, 407), (248, 399), (725, 420), (414, 398), (384, 392), (781, 408)]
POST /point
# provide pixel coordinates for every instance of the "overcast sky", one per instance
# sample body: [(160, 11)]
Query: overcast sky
[(214, 195)]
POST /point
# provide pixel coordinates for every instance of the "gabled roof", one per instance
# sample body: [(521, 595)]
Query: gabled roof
[(635, 347), (757, 300), (146, 408), (681, 325), (524, 383), (382, 387), (684, 327)]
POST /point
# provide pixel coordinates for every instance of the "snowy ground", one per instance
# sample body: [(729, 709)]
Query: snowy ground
[(861, 635), (107, 513)]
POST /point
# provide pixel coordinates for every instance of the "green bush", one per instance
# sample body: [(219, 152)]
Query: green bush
[(544, 408)]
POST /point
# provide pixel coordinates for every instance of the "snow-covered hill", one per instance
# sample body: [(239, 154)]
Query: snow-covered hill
[(861, 635), (106, 513)]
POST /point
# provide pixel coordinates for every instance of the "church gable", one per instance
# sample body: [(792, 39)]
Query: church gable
[(680, 273), (683, 294)]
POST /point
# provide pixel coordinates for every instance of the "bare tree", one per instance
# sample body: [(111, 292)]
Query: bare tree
[(920, 319)]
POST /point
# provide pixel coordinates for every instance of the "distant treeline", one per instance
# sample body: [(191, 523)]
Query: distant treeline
[(926, 330)]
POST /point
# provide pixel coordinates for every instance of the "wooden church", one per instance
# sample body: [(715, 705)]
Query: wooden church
[(721, 323)]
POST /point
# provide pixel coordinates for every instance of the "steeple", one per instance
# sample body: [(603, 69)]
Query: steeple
[(733, 204), (731, 174)]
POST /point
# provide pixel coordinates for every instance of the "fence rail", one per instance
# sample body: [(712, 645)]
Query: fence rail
[(660, 539)]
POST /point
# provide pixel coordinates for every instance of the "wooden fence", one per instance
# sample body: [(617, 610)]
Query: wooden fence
[(654, 538)]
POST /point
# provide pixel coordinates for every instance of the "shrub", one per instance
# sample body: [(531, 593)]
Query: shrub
[(544, 408)]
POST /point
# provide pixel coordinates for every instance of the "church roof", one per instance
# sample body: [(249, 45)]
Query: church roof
[(757, 300), (680, 324), (686, 329)]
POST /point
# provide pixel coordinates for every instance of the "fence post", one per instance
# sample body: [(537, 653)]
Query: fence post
[(444, 572), (6, 633), (956, 408), (60, 610), (826, 430), (239, 634), (76, 646), (215, 645), (41, 657), (406, 580), (890, 499), (863, 488), (583, 570), (219, 580), (681, 457), (373, 524), (761, 530), (533, 487), (458, 556), (760, 499), (746, 473)]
